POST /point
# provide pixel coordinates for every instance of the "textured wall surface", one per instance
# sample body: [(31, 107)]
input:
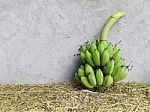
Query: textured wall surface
[(38, 38)]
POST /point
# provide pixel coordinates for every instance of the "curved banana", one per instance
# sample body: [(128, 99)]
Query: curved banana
[(115, 49), (110, 49), (96, 57), (104, 57), (105, 43), (88, 70), (100, 48), (83, 48), (108, 80), (81, 72), (108, 68), (82, 67), (121, 74), (93, 46), (115, 71), (88, 46), (86, 83), (88, 58), (92, 79), (82, 57), (77, 77), (119, 63), (99, 77), (117, 55)]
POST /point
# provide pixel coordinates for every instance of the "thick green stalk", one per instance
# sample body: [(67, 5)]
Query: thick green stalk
[(108, 25)]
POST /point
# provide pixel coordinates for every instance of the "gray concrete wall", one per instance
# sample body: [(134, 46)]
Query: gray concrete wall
[(38, 38)]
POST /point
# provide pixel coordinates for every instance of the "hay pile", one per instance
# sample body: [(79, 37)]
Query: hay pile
[(70, 97)]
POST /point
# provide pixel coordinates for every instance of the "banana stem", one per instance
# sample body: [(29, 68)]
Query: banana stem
[(109, 23)]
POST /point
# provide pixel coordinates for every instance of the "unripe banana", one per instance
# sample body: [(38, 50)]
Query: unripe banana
[(105, 43), (82, 57), (83, 48), (77, 77), (108, 68), (115, 71), (86, 83), (81, 72), (92, 79), (104, 57), (99, 77), (88, 58), (110, 49), (88, 70), (119, 63), (117, 55), (82, 67), (93, 46), (108, 80), (121, 74), (117, 66), (100, 48), (88, 46), (115, 49), (96, 57)]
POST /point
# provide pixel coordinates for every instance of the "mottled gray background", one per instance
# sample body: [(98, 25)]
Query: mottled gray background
[(38, 38)]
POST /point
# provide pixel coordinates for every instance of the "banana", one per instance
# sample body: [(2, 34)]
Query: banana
[(96, 57), (93, 46), (82, 57), (104, 57), (108, 80), (88, 70), (110, 49), (86, 83), (117, 66), (88, 46), (115, 49), (117, 55), (82, 67), (120, 74), (105, 43), (77, 77), (81, 72), (92, 79), (100, 48), (108, 68), (83, 48), (119, 63), (115, 71), (99, 77), (88, 58)]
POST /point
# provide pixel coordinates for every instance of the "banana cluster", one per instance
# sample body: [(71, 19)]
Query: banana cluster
[(102, 64)]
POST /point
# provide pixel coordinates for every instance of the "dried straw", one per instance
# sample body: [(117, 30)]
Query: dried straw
[(70, 97)]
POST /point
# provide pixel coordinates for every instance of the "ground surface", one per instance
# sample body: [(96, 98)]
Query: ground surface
[(67, 97), (38, 38)]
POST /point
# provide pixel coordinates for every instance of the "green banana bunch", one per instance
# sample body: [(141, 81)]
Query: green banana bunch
[(102, 63), (91, 78)]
